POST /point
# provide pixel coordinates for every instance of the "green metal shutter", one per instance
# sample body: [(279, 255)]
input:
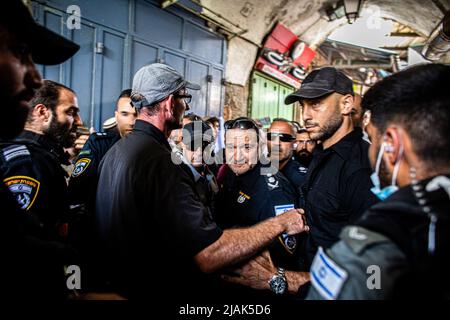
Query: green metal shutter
[(267, 98)]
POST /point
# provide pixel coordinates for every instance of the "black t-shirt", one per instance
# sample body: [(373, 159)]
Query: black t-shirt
[(150, 220), (296, 174), (337, 190)]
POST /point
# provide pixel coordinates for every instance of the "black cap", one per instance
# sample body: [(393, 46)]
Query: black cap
[(47, 47), (199, 134), (321, 82)]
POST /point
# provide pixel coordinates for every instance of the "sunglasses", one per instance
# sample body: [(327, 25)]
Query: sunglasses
[(241, 123), (284, 137)]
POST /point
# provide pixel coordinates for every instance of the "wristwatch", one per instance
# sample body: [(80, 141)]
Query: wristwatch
[(278, 283)]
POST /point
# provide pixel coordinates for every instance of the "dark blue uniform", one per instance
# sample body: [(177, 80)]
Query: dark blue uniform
[(253, 197), (33, 198), (84, 178), (33, 173)]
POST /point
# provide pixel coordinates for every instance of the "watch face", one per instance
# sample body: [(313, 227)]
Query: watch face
[(278, 284)]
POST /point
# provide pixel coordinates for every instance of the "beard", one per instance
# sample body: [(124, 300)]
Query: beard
[(61, 133), (304, 157), (329, 128)]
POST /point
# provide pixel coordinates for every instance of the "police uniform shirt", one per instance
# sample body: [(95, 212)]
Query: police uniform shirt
[(150, 220), (83, 180), (385, 255), (252, 197), (32, 172), (337, 190)]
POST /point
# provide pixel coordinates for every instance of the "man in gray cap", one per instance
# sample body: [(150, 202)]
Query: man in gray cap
[(147, 207), (337, 187)]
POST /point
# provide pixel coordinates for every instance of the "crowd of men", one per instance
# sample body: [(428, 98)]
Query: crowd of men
[(156, 205)]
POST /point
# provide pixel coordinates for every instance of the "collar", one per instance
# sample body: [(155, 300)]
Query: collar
[(46, 143), (344, 146), (247, 179), (151, 130)]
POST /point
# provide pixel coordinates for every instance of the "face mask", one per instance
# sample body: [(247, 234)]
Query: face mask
[(366, 137), (384, 193)]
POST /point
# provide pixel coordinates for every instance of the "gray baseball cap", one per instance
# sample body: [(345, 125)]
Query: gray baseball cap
[(155, 82)]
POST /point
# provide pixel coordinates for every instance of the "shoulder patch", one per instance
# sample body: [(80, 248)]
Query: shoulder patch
[(80, 166), (272, 181), (326, 276), (25, 190), (15, 151), (359, 238)]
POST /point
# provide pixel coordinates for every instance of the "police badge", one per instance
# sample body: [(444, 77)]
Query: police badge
[(25, 190), (80, 166)]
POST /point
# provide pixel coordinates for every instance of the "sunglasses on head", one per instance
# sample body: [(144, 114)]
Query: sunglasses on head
[(241, 123), (284, 137)]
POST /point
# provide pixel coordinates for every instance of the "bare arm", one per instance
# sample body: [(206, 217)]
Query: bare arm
[(236, 245)]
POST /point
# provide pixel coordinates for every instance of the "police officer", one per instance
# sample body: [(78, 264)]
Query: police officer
[(33, 161), (27, 262), (83, 180), (399, 249), (281, 138), (251, 192)]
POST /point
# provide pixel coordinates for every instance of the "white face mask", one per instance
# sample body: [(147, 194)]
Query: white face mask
[(384, 193)]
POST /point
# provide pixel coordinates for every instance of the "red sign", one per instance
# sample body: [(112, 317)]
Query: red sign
[(285, 56)]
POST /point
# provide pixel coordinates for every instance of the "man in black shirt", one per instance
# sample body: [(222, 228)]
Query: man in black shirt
[(337, 190), (147, 208)]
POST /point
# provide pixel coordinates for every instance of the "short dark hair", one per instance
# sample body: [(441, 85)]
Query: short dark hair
[(212, 120), (125, 94), (417, 99), (48, 95), (192, 117)]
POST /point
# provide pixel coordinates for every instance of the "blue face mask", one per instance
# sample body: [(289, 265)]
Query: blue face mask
[(384, 193)]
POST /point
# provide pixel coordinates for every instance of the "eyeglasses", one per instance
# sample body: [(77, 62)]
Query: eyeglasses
[(284, 137), (241, 123), (187, 97)]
